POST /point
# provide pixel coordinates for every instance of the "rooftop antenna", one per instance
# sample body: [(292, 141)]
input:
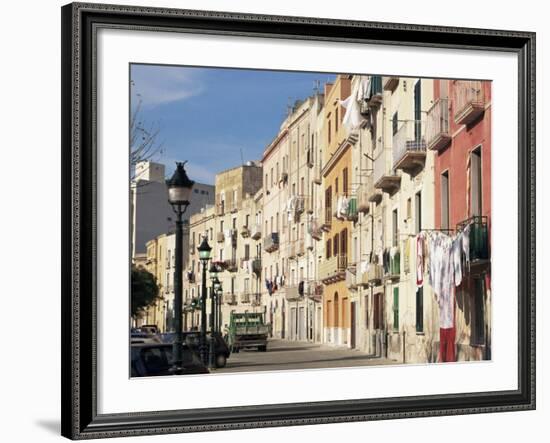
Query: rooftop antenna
[(316, 86)]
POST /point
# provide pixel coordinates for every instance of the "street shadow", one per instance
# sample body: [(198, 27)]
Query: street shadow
[(52, 426), (289, 365)]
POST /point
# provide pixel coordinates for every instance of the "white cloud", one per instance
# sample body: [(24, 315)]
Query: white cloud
[(158, 85)]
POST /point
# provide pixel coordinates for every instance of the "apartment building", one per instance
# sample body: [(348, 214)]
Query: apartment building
[(290, 199), (460, 137), (339, 320)]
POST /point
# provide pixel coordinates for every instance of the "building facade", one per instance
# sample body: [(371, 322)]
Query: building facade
[(460, 137)]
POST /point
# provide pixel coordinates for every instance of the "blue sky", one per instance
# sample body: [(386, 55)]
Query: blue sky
[(208, 115)]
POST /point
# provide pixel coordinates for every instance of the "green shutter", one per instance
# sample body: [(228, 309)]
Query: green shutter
[(396, 308)]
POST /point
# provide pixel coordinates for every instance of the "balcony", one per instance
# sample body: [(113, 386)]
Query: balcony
[(233, 237), (333, 269), (300, 247), (376, 92), (394, 270), (257, 266), (308, 204), (315, 291), (352, 214), (385, 179), (292, 293), (220, 209), (245, 232), (391, 83), (192, 249), (363, 203), (309, 158), (327, 223), (229, 299), (317, 176), (292, 249), (373, 276), (256, 232), (271, 242), (255, 300), (314, 229), (409, 147), (438, 134), (469, 101), (479, 243), (220, 237), (351, 277), (283, 177), (245, 298), (230, 265), (190, 276)]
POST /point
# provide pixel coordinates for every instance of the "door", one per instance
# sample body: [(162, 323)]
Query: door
[(352, 324), (302, 324)]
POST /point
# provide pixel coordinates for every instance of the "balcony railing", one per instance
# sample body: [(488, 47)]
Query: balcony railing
[(479, 239), (220, 237), (390, 83), (373, 276), (314, 229), (271, 242), (351, 277), (469, 101), (292, 293), (245, 298), (231, 265), (409, 147), (333, 269), (256, 232), (385, 178), (229, 299), (438, 133), (245, 232), (327, 223), (257, 266)]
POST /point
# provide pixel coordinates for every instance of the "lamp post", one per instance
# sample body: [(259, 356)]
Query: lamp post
[(214, 279), (204, 255), (179, 193), (219, 302)]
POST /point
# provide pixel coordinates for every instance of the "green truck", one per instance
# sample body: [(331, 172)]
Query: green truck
[(247, 330)]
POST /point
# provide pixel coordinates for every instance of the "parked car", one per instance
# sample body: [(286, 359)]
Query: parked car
[(192, 339), (144, 335), (156, 359), (247, 330)]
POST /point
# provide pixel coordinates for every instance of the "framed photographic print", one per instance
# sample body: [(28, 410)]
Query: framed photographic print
[(283, 220)]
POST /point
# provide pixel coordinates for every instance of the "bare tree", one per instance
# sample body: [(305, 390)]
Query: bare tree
[(144, 143)]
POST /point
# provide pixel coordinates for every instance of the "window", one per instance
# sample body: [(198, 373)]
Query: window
[(417, 110), (271, 183), (246, 252), (394, 123), (345, 181), (277, 170), (234, 222), (395, 228), (328, 249), (232, 285), (336, 243), (211, 233), (409, 209), (336, 186), (377, 311), (344, 241), (221, 225), (302, 186), (266, 182), (396, 309), (246, 285), (329, 129), (336, 120), (445, 200), (418, 212), (420, 309), (247, 220), (478, 312), (221, 254), (475, 183), (277, 223)]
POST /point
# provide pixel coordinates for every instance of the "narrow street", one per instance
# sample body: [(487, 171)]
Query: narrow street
[(284, 354)]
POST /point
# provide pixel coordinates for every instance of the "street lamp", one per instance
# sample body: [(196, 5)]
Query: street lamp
[(179, 193), (213, 271), (204, 255), (219, 292)]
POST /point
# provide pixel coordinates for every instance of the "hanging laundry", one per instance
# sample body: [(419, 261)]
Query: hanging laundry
[(352, 118), (419, 260)]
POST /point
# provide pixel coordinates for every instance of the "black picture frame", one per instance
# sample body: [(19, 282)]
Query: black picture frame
[(79, 171)]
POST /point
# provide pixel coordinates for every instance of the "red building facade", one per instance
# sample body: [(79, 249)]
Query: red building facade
[(459, 130)]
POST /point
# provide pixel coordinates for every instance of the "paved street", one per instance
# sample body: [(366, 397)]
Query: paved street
[(283, 354)]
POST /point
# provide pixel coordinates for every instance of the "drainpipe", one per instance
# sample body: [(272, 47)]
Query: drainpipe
[(404, 348)]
